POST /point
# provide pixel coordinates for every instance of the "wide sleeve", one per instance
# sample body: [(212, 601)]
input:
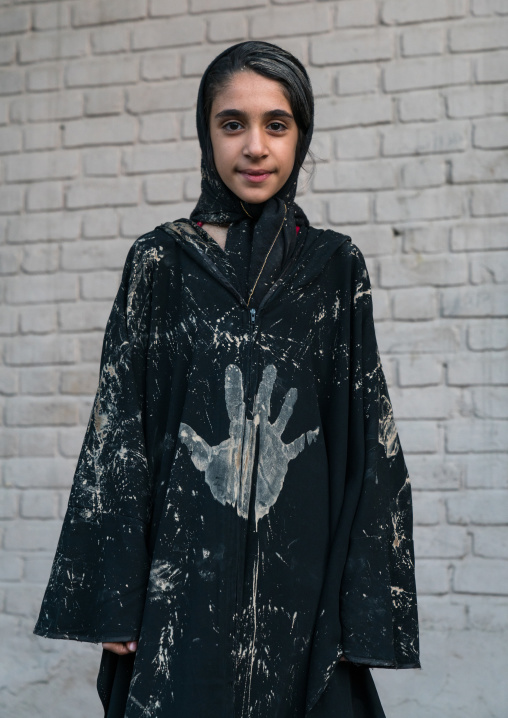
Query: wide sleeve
[(378, 608), (98, 579)]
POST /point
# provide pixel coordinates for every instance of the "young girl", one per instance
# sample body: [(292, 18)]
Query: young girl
[(239, 530)]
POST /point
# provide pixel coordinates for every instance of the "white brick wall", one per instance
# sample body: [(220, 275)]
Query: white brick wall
[(98, 145)]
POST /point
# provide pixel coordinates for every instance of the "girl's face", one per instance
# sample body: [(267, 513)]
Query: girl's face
[(254, 136)]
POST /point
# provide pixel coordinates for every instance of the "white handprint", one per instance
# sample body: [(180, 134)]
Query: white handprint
[(228, 469)]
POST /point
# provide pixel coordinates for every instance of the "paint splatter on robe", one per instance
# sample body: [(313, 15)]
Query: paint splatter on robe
[(241, 504)]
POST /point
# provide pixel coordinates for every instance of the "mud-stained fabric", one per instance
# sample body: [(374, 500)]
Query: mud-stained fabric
[(241, 504)]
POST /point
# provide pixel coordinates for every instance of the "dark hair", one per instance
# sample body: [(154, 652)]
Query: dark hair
[(273, 62)]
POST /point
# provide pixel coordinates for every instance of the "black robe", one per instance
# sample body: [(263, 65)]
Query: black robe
[(241, 504)]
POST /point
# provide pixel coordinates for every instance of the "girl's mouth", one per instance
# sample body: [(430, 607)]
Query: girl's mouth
[(255, 177)]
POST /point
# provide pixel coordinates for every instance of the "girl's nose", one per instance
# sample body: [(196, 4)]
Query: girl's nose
[(255, 145)]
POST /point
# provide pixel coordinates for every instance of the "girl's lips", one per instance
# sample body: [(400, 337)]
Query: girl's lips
[(255, 178)]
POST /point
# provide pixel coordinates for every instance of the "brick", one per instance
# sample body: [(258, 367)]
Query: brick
[(54, 226), (8, 381), (103, 101), (159, 127), (100, 223), (435, 270), (408, 337), (440, 542), (406, 205), (10, 260), (487, 613), (32, 535), (479, 167), (39, 319), (103, 162), (482, 434), (188, 125), (71, 439), (44, 196), (40, 258), (415, 304), (474, 301), (348, 207), (174, 95), (432, 576), (194, 62), (420, 371), (37, 442), (422, 41), (56, 45), (41, 288), (11, 82), (192, 187), (14, 20), (277, 22), (41, 79), (356, 143), (418, 437), (160, 66), (98, 13), (163, 8), (428, 509), (489, 7), (174, 32), (163, 189), (82, 380), (38, 568), (321, 151), (489, 200), (11, 568), (90, 346), (482, 507), (99, 285), (94, 254), (375, 240), (39, 504), (59, 164), (41, 350), (51, 16), (225, 26), (8, 503), (478, 35), (426, 172), (7, 51), (111, 39), (489, 267), (433, 403), (491, 542), (334, 113), (490, 402), (357, 80), (398, 12), (441, 613), (476, 101), (439, 137), (101, 131), (142, 160), (41, 137), (38, 381), (50, 106), (424, 106), (10, 140), (490, 134), (90, 72), (140, 219), (435, 473), (8, 321), (35, 411), (355, 175), (356, 13), (209, 5), (482, 336), (102, 193), (465, 238), (83, 316), (409, 74), (466, 369), (492, 67), (480, 575), (10, 200), (352, 46)]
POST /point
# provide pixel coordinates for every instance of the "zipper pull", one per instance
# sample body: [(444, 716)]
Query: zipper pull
[(252, 316)]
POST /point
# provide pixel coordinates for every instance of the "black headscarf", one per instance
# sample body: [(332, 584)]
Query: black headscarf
[(262, 237)]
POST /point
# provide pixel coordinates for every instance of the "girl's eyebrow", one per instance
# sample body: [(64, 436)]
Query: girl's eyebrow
[(240, 113)]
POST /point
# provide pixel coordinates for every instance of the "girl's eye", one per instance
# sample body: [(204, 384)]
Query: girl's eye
[(227, 126), (279, 128)]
